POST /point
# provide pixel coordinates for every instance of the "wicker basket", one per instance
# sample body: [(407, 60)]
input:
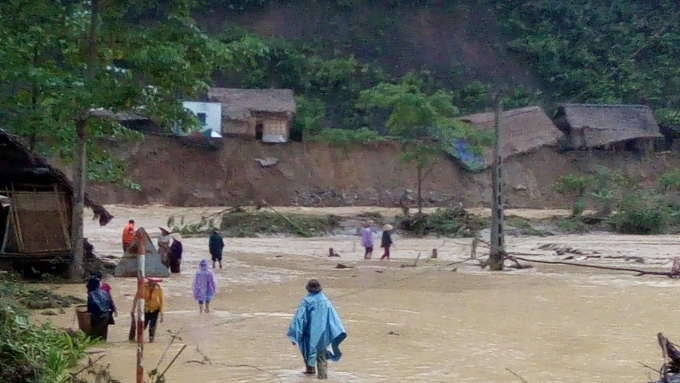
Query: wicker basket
[(84, 319)]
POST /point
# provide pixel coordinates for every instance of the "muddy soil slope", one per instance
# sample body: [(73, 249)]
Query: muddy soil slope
[(316, 174)]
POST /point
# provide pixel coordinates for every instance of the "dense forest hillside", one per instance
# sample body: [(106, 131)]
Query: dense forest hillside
[(359, 68), (542, 51)]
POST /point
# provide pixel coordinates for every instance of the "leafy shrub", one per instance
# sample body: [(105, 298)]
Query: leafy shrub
[(670, 181), (32, 353), (640, 214), (341, 137)]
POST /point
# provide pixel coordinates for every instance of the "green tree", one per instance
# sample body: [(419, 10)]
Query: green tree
[(424, 122), (606, 188), (68, 63)]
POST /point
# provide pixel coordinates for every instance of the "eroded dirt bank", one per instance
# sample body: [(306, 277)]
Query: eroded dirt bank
[(316, 174), (423, 324)]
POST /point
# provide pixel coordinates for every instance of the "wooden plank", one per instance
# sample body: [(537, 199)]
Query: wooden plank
[(6, 237), (17, 225), (62, 218)]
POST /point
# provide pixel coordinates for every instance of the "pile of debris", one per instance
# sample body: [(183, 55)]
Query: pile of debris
[(35, 299), (453, 222), (258, 223)]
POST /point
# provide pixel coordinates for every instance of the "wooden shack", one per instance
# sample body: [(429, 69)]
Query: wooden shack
[(607, 127), (36, 200), (522, 130), (262, 114)]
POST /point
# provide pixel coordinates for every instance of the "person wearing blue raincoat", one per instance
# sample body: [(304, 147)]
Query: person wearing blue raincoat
[(315, 327)]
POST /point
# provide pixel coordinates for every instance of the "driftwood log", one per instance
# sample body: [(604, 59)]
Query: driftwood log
[(639, 272), (513, 257)]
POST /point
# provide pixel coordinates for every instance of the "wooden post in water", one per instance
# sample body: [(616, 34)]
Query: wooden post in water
[(141, 261), (497, 237)]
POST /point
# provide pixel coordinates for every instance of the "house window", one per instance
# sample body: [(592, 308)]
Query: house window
[(202, 117)]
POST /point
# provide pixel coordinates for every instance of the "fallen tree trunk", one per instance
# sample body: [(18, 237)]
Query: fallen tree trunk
[(626, 269)]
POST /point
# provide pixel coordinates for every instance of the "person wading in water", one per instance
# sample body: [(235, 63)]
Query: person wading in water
[(128, 234), (153, 308), (315, 326), (216, 246)]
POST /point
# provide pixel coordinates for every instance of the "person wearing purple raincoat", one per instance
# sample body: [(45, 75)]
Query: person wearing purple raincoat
[(204, 286)]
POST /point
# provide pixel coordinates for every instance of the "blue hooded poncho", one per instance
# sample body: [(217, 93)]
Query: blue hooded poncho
[(316, 326)]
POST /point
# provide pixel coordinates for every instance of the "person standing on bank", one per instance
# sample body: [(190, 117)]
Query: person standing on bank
[(386, 242), (216, 246), (153, 307), (204, 286), (176, 250), (315, 326), (128, 234), (101, 309)]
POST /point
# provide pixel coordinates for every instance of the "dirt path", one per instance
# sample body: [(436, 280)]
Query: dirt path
[(424, 324)]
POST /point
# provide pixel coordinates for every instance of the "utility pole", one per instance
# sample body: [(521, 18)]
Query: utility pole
[(497, 235)]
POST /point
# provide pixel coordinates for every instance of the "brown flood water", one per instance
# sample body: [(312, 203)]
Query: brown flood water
[(422, 324)]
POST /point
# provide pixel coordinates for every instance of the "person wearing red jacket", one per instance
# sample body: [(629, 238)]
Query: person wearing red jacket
[(128, 234)]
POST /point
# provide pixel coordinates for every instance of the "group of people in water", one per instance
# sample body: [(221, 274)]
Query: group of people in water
[(100, 303), (169, 246), (316, 328)]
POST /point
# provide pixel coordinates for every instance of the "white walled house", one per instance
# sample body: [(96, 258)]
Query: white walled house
[(209, 113)]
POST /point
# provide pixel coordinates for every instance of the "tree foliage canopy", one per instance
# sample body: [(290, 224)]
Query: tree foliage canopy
[(146, 56)]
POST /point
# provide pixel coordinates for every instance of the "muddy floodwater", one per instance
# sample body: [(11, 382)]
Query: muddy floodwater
[(427, 323)]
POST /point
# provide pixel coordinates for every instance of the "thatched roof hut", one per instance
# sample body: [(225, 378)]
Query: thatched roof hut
[(35, 221), (263, 114), (20, 166), (589, 126), (522, 130), (240, 104)]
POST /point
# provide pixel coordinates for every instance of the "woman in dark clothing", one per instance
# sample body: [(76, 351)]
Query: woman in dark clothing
[(101, 308), (386, 241), (175, 253)]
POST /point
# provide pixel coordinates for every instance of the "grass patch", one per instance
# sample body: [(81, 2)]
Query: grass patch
[(253, 224), (343, 137)]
